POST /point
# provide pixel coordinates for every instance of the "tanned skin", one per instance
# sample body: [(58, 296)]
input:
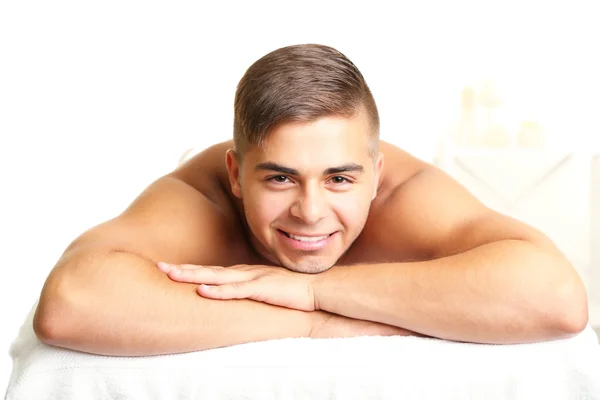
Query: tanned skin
[(203, 258)]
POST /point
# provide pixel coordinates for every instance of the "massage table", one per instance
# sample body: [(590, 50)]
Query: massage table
[(370, 367)]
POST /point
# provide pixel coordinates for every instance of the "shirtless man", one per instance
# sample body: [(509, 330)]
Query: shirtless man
[(305, 225)]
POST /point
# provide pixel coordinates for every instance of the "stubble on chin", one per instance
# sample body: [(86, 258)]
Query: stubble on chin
[(307, 266)]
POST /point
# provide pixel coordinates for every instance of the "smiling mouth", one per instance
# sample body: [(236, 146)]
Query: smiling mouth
[(308, 239)]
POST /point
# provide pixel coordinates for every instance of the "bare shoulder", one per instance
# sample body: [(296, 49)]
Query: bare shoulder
[(399, 167), (182, 217), (206, 172), (425, 214)]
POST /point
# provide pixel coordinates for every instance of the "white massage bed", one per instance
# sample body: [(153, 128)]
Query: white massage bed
[(351, 368)]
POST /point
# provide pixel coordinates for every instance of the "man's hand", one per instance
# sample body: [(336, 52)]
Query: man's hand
[(272, 285), (276, 286)]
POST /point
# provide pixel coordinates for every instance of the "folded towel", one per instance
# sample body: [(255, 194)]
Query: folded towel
[(349, 368)]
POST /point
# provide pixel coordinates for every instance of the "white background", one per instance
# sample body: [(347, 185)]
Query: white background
[(97, 99)]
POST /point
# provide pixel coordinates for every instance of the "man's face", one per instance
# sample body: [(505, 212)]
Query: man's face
[(307, 192)]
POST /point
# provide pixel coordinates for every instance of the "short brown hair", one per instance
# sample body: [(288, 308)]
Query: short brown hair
[(299, 83)]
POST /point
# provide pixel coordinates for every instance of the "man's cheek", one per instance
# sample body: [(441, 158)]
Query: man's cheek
[(353, 215), (267, 211)]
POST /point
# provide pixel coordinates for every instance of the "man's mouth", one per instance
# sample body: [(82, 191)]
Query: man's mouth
[(306, 238)]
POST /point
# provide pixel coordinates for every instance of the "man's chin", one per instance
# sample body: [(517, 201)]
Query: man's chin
[(308, 266)]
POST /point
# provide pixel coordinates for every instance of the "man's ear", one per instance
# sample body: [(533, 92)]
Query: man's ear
[(233, 169), (378, 169)]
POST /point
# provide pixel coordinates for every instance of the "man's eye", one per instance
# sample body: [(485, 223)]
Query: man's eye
[(279, 179), (339, 180)]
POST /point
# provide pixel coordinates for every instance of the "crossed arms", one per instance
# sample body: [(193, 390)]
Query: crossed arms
[(488, 279)]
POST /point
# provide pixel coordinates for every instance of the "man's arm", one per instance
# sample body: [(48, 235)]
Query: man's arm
[(489, 278), (107, 296), (117, 304)]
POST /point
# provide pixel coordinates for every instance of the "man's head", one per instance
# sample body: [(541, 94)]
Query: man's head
[(306, 162)]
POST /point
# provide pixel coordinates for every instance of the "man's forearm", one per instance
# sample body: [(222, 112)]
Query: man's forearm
[(120, 304), (504, 292)]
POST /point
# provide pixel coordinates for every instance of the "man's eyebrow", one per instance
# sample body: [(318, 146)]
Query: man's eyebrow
[(350, 167), (271, 166)]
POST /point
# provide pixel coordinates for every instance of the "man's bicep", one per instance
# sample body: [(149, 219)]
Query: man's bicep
[(443, 218), (169, 221)]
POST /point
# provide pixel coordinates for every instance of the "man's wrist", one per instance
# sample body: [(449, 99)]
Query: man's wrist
[(320, 286)]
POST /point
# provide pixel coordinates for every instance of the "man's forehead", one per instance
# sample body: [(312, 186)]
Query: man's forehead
[(310, 156), (311, 151), (331, 131), (314, 146)]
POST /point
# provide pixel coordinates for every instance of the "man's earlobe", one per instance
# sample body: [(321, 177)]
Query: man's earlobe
[(233, 170)]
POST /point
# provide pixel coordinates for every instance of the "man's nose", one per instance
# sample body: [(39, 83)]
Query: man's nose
[(311, 206)]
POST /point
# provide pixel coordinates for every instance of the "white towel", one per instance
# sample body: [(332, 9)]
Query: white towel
[(349, 368)]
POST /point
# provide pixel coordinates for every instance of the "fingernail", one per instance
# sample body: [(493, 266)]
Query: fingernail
[(205, 286)]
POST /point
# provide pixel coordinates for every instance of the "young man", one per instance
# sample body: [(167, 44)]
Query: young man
[(305, 225)]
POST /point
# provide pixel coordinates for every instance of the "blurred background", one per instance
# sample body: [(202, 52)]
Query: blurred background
[(98, 99)]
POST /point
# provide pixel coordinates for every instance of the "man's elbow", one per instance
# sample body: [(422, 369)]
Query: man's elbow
[(575, 320), (45, 325), (571, 314), (51, 319)]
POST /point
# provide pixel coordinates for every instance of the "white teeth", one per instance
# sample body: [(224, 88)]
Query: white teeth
[(307, 239)]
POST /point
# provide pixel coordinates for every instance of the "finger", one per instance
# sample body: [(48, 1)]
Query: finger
[(166, 267), (194, 266), (246, 267), (236, 290), (174, 270), (209, 275)]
